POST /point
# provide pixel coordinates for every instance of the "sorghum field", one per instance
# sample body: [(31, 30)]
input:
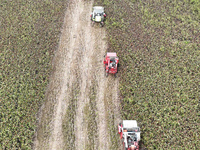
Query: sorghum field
[(29, 33), (158, 43)]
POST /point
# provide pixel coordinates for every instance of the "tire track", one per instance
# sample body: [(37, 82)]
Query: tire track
[(68, 47), (89, 98)]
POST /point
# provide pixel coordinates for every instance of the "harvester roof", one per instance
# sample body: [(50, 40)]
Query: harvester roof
[(129, 123), (98, 9), (111, 54)]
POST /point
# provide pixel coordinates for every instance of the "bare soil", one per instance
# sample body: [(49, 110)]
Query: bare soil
[(79, 61)]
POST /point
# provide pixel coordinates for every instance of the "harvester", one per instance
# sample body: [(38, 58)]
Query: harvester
[(130, 134), (111, 63), (98, 15)]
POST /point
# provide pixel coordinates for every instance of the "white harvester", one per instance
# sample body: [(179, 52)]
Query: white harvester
[(130, 134)]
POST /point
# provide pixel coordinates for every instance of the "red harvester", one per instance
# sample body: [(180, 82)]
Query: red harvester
[(111, 63)]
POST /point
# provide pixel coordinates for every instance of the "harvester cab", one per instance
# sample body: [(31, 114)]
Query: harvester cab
[(130, 134), (111, 63), (98, 15)]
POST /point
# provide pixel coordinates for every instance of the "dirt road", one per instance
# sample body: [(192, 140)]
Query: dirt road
[(85, 105)]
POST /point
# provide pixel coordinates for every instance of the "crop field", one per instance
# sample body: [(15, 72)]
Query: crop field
[(158, 43), (29, 33)]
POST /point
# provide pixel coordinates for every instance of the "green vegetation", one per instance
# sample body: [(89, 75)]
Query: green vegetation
[(29, 33), (90, 117), (158, 43), (115, 142), (69, 119)]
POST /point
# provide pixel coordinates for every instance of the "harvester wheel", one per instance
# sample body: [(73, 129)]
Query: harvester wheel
[(92, 23), (118, 67), (106, 74), (101, 24), (124, 147), (115, 75)]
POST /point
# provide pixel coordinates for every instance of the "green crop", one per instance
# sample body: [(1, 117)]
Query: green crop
[(158, 44), (29, 34)]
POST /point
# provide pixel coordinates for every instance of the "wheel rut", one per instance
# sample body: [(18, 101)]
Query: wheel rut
[(86, 108)]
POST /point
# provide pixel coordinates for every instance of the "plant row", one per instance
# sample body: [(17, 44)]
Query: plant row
[(29, 34), (158, 46)]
